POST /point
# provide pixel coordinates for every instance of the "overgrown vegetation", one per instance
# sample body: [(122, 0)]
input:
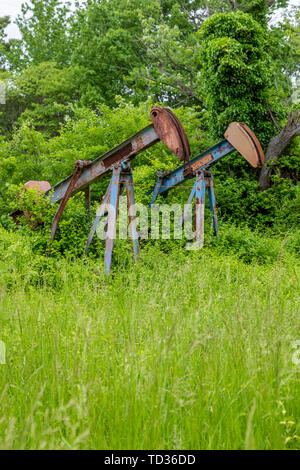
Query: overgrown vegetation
[(184, 349), (194, 351)]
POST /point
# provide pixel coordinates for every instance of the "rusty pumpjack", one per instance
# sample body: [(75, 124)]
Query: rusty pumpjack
[(238, 136), (167, 128)]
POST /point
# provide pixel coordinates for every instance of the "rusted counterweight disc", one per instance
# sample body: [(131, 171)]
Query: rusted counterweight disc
[(171, 132), (41, 187), (246, 142)]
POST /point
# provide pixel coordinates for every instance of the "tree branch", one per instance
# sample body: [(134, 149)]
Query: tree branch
[(233, 4), (274, 120), (184, 89), (277, 145), (152, 79)]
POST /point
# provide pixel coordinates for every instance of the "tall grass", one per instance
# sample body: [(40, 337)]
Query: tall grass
[(179, 352)]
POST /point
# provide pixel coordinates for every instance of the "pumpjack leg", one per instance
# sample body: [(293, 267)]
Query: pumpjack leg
[(112, 218), (199, 209), (133, 233), (212, 203), (121, 179), (204, 180), (101, 212)]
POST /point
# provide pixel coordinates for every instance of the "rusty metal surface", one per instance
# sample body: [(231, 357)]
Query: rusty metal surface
[(79, 165), (200, 188), (246, 143), (204, 180), (103, 164), (171, 132), (41, 186), (203, 161), (16, 214), (101, 212)]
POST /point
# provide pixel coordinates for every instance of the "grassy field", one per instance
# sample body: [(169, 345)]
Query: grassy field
[(181, 352)]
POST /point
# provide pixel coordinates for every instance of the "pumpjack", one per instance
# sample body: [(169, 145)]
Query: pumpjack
[(166, 128), (238, 136)]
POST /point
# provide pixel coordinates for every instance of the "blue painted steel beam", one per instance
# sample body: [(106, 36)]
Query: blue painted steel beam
[(103, 164), (202, 162), (212, 203), (133, 233), (200, 189), (112, 218), (121, 179)]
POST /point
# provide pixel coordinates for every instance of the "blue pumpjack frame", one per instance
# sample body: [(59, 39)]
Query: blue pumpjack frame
[(121, 180), (200, 169)]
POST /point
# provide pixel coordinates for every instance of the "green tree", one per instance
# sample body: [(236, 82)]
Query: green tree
[(170, 70), (106, 44), (238, 79), (44, 28), (7, 47), (235, 72), (157, 49), (4, 22), (127, 48), (41, 96), (285, 52)]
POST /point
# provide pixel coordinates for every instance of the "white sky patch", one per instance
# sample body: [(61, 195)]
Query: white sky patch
[(279, 13), (12, 8)]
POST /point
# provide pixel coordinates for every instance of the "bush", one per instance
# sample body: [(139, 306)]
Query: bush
[(252, 246)]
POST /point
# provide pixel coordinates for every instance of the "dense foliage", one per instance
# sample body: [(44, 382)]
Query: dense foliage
[(236, 72), (219, 60), (179, 352), (185, 349)]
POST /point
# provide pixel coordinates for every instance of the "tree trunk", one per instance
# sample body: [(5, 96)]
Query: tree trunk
[(277, 145)]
